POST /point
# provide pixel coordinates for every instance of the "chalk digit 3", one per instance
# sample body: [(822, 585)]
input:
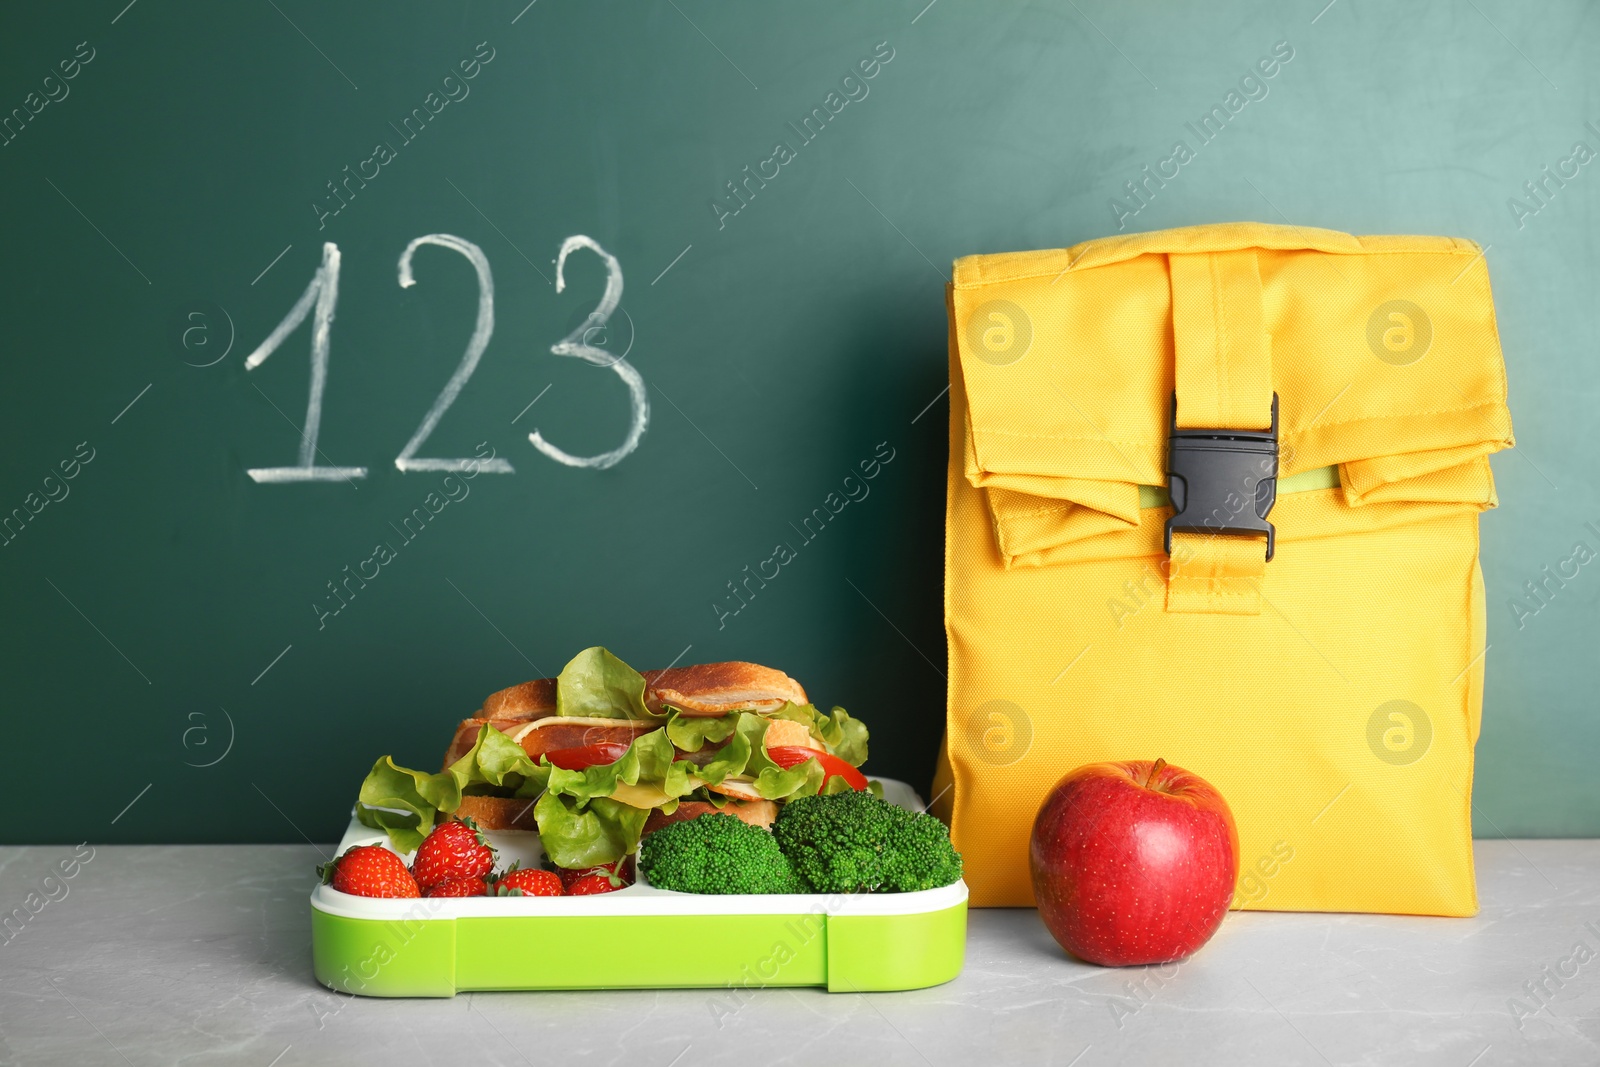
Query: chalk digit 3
[(576, 344)]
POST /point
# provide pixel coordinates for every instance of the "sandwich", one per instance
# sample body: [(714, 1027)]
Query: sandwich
[(602, 754)]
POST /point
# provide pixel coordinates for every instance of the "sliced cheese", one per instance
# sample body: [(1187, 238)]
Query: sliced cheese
[(587, 720), (640, 796), (649, 796), (733, 787), (569, 720)]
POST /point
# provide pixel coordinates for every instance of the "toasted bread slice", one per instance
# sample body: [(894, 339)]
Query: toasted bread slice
[(522, 703), (710, 689), (498, 813), (700, 689)]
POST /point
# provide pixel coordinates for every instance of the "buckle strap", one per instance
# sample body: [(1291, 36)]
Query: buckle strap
[(1222, 355), (1215, 575), (1222, 481), (1223, 461)]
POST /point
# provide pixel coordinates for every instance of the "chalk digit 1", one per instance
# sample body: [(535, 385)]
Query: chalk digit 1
[(576, 344), (407, 460), (318, 301)]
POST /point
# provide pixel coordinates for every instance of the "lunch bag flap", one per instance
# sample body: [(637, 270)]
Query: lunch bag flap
[(1381, 351)]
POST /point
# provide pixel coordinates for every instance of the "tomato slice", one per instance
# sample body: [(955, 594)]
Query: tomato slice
[(576, 759), (787, 756)]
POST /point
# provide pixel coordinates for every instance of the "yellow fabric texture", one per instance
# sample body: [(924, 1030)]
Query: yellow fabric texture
[(1333, 694)]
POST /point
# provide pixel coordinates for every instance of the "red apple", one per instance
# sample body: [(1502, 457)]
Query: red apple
[(1133, 863)]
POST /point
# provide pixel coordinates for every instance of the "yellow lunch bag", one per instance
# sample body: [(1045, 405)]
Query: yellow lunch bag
[(1213, 497)]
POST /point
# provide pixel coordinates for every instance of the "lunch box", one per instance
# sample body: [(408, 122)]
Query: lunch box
[(638, 937)]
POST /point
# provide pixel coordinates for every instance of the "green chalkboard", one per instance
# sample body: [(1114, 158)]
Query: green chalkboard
[(363, 359)]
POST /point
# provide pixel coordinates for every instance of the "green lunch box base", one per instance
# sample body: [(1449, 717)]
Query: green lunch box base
[(436, 957), (635, 937)]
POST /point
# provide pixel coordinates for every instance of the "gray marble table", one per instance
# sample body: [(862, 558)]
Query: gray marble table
[(200, 955)]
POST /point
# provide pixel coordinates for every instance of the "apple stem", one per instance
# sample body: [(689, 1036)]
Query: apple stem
[(1155, 770)]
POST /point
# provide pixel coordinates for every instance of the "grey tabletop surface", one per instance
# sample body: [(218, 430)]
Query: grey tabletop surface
[(201, 955)]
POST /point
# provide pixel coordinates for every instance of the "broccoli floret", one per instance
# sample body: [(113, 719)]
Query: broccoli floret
[(918, 854), (854, 842), (716, 853)]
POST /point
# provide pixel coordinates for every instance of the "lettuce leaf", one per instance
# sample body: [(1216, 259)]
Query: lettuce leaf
[(389, 786), (578, 824), (416, 798), (649, 759), (842, 735), (597, 684), (716, 800), (747, 735), (775, 783), (804, 780), (691, 732), (577, 834)]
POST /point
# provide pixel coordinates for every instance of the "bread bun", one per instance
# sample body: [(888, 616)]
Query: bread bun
[(499, 813), (710, 689), (522, 703), (699, 689), (704, 690)]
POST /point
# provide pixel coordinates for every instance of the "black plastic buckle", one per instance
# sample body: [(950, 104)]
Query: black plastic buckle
[(1222, 481)]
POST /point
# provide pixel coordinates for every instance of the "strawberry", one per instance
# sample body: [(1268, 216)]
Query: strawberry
[(457, 887), (455, 849), (528, 882), (590, 884), (622, 869), (369, 871)]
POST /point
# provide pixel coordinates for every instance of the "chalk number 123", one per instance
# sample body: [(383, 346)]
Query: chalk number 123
[(320, 300)]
